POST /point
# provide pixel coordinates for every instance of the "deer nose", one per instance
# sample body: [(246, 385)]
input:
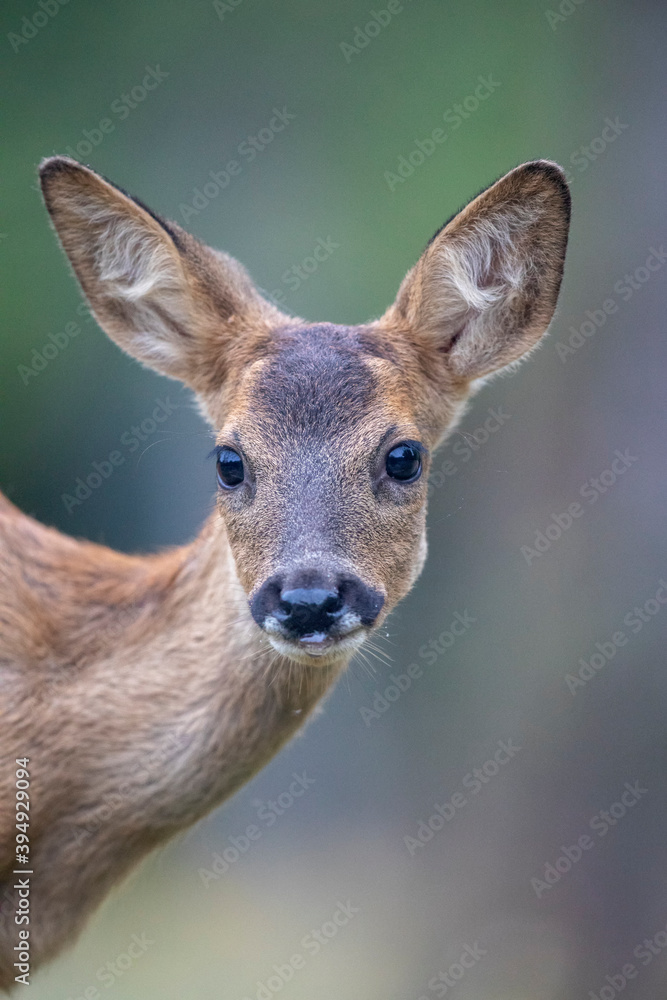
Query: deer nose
[(309, 603), (308, 610)]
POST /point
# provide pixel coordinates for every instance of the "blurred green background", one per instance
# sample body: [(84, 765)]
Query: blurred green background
[(560, 74)]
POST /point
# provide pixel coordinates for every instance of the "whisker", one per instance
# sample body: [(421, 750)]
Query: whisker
[(366, 666), (272, 661), (380, 655)]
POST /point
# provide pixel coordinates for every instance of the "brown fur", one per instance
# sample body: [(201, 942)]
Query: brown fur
[(140, 687)]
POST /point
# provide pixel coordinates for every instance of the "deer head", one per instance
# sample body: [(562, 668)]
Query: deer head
[(324, 432)]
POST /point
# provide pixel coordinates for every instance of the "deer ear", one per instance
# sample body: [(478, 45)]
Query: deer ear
[(485, 289), (162, 296)]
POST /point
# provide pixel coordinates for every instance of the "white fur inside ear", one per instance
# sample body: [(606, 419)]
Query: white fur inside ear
[(485, 289), (480, 269), (135, 265), (131, 260)]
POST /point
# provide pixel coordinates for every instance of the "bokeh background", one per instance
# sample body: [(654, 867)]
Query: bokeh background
[(560, 72)]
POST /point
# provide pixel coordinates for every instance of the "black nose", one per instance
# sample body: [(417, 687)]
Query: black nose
[(305, 610), (308, 602)]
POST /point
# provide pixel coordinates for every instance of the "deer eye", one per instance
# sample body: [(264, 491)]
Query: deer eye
[(404, 462), (229, 468)]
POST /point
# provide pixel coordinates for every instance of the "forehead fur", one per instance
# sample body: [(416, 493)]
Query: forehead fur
[(320, 379)]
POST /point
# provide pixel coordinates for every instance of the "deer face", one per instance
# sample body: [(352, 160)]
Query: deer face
[(324, 432), (322, 467)]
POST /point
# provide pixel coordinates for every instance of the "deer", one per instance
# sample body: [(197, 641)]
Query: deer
[(140, 691)]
